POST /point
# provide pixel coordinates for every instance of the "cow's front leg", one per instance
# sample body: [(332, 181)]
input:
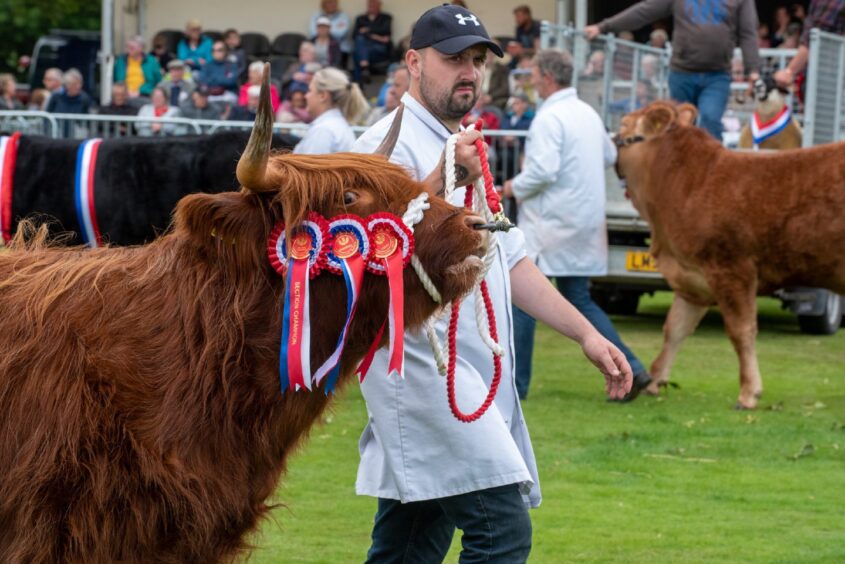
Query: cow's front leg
[(738, 303), (680, 323)]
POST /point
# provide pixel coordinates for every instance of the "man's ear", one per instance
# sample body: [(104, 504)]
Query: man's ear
[(413, 60), (687, 114), (657, 118)]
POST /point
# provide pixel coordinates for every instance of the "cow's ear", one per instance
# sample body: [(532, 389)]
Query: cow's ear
[(228, 219), (657, 118), (687, 114)]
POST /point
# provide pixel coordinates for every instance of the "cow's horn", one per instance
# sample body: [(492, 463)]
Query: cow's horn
[(252, 167), (389, 141)]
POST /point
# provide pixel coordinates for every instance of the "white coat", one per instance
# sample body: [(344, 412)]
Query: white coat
[(329, 133), (413, 448), (562, 188)]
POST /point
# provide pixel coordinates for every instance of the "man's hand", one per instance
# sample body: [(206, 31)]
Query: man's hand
[(507, 189), (591, 32), (610, 361), (467, 161), (752, 78), (784, 78)]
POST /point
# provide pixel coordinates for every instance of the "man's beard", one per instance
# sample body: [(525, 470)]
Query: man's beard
[(446, 105)]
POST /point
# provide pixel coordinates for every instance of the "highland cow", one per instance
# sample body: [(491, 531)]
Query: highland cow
[(141, 418)]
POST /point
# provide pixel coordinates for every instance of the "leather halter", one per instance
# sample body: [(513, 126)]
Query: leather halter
[(621, 142)]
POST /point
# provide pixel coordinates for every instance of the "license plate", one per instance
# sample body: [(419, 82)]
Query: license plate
[(640, 261)]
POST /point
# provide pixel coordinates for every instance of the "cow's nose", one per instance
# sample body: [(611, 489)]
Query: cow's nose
[(471, 220)]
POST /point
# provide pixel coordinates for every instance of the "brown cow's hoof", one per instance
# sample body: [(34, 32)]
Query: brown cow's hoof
[(653, 389), (740, 406)]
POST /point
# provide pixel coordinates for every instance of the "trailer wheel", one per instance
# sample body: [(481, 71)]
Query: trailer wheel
[(617, 302), (828, 322)]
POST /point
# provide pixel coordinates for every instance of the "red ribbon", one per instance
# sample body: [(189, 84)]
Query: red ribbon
[(298, 313), (6, 189), (364, 367), (394, 264)]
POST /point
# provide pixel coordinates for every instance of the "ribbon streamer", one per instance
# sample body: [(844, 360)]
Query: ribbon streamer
[(86, 213), (8, 156)]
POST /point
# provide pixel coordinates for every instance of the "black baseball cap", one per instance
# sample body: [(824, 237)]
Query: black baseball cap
[(450, 29)]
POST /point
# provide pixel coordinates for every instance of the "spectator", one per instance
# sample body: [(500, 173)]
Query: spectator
[(296, 74), (520, 78), (119, 105), (326, 49), (139, 71), (236, 53), (781, 22), (340, 26), (644, 95), (799, 14), (220, 75), (658, 38), (71, 99), (517, 119), (372, 39), (160, 52), (177, 86), (38, 100), (594, 69), (514, 49), (793, 36), (195, 48), (703, 45), (53, 80), (491, 119), (295, 108), (497, 83), (9, 93), (198, 106), (561, 196), (334, 102), (827, 15), (157, 108), (399, 83), (763, 41), (256, 72), (247, 112), (527, 30)]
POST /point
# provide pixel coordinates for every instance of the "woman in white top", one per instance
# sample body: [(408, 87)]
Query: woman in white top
[(158, 108), (333, 101)]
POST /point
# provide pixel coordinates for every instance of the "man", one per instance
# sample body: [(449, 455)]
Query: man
[(220, 75), (195, 48), (399, 82), (71, 99), (177, 86), (527, 29), (119, 105), (340, 26), (137, 69), (197, 107), (702, 48), (827, 15), (561, 196), (53, 79), (371, 35), (431, 472), (248, 112), (236, 53)]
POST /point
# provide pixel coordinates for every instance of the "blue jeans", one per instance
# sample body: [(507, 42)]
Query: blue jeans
[(495, 523), (707, 91), (369, 50), (576, 290)]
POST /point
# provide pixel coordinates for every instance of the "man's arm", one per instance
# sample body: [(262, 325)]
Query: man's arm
[(534, 294), (635, 17), (748, 24)]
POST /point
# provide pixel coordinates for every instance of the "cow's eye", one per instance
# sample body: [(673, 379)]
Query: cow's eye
[(349, 198)]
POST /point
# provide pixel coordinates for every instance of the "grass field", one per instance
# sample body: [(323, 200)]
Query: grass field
[(680, 478)]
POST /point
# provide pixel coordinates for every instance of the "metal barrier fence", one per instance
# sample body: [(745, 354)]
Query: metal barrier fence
[(823, 115), (616, 76), (505, 146)]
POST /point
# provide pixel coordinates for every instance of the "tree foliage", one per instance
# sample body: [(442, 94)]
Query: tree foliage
[(22, 22)]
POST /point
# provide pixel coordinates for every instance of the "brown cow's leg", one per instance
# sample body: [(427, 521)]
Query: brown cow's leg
[(739, 309), (680, 323)]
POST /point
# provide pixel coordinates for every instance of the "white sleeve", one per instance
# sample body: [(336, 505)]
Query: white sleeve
[(513, 245), (609, 149), (542, 157)]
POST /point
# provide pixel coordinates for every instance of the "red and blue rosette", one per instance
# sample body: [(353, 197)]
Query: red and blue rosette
[(392, 246), (348, 256), (299, 259)]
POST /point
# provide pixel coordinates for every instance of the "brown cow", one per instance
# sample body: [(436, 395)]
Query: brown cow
[(140, 413), (728, 226)]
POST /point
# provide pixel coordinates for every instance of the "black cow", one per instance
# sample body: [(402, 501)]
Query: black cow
[(137, 180)]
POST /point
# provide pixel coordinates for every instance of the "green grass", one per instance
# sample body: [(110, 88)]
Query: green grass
[(680, 478)]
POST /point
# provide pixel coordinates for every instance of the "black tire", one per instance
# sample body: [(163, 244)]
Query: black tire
[(617, 302), (828, 322)]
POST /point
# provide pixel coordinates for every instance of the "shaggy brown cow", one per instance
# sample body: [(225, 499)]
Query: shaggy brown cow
[(728, 226), (140, 413)]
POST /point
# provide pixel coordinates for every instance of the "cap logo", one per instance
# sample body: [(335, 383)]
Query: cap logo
[(462, 19)]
